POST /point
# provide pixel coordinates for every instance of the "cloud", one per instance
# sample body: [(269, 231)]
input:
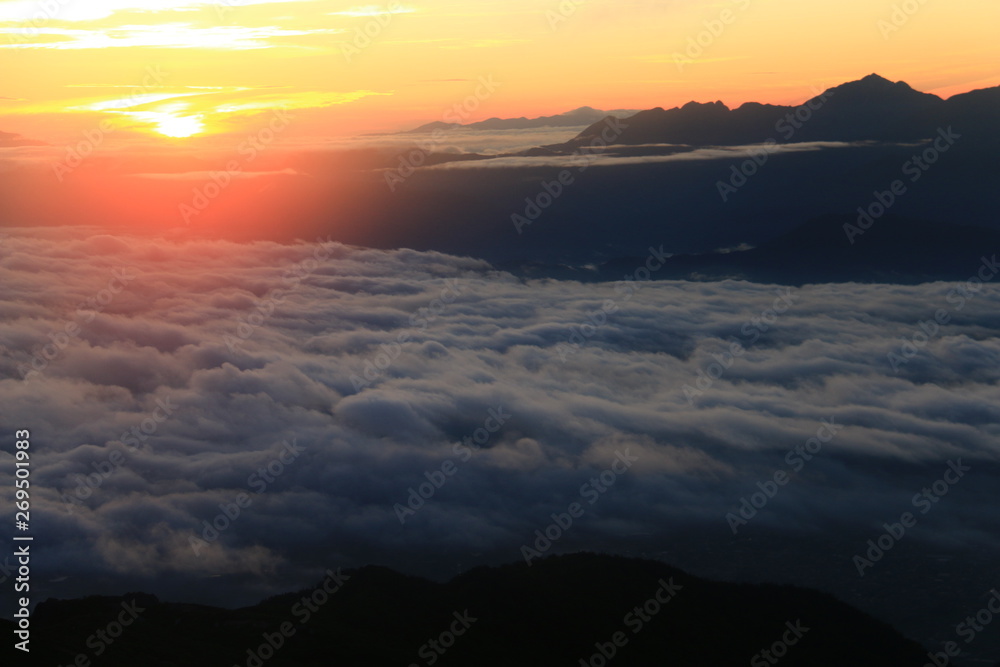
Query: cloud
[(610, 158), (164, 36), (194, 361), (29, 11), (462, 140), (373, 10)]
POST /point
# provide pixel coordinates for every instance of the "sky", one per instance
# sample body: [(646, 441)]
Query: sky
[(177, 71)]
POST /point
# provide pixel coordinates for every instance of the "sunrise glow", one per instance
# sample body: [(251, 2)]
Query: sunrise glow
[(171, 125), (377, 66)]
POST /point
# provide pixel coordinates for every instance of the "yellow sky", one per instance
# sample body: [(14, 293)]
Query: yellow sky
[(204, 68)]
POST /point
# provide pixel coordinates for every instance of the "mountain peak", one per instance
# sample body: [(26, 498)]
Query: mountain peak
[(875, 78), (707, 106), (875, 84)]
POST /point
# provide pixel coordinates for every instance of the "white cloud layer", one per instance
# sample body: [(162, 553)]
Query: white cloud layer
[(252, 345)]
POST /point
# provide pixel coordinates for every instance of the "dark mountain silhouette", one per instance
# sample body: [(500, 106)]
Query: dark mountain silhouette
[(871, 109), (558, 611), (892, 249), (695, 124), (574, 118), (977, 112)]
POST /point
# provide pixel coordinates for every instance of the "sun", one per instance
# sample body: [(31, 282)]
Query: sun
[(169, 120), (179, 127)]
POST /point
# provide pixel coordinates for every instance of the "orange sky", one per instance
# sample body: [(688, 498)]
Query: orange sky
[(155, 69)]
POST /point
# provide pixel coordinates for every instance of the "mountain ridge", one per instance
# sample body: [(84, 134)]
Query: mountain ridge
[(871, 108), (584, 115), (557, 610)]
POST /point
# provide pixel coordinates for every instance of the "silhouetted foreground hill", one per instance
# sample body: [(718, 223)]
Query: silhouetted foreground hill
[(559, 611)]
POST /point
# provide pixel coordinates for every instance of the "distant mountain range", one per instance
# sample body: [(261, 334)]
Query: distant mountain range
[(873, 109), (559, 611), (574, 118), (645, 187)]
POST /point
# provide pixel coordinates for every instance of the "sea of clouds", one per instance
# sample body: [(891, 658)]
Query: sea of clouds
[(187, 368)]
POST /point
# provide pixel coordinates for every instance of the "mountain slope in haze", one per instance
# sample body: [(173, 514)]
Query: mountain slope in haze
[(870, 109), (835, 248), (558, 611), (574, 118)]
